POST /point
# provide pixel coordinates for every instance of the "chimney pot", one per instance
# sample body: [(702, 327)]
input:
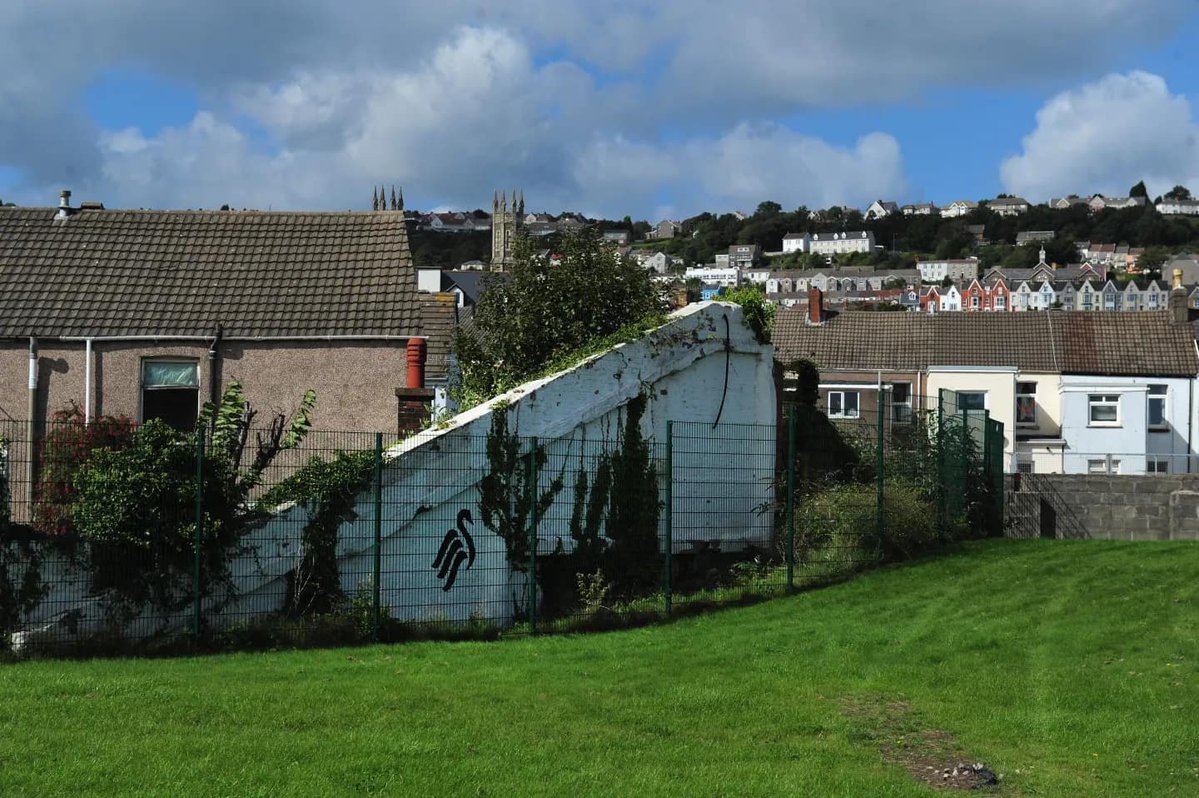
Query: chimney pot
[(416, 362)]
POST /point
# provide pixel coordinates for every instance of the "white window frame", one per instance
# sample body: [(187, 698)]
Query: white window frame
[(1022, 392), (1157, 393), (1096, 400), (1157, 465), (841, 398)]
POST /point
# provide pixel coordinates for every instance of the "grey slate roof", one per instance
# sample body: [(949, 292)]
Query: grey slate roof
[(183, 273), (1137, 344)]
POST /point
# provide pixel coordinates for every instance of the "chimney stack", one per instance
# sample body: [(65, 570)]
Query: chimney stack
[(1179, 313), (815, 306)]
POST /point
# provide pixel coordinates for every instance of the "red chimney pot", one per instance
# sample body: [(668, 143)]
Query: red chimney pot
[(416, 362)]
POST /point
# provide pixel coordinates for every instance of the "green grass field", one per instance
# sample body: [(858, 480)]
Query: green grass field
[(1068, 667)]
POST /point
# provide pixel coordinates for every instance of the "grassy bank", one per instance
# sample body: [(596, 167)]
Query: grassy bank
[(1070, 668)]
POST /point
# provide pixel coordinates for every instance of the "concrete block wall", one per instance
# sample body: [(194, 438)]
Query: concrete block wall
[(1129, 507)]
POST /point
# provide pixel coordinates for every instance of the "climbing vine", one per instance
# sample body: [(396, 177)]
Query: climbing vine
[(506, 496), (614, 518)]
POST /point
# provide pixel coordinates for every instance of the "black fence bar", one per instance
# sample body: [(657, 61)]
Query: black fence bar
[(143, 538)]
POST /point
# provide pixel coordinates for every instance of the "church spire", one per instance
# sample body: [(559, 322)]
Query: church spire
[(521, 208), (400, 204), (374, 198)]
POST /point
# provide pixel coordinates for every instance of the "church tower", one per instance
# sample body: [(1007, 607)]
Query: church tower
[(505, 222)]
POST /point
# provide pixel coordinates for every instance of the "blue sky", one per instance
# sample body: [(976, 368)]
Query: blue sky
[(648, 108)]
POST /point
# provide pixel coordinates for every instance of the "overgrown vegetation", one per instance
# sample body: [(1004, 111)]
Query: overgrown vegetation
[(68, 443), (326, 489), (758, 313), (124, 499), (547, 306), (510, 492)]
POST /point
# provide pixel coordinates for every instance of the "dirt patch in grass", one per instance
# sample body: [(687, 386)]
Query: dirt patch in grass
[(932, 756)]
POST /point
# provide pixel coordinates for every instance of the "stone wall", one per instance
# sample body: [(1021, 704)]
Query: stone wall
[(1112, 507)]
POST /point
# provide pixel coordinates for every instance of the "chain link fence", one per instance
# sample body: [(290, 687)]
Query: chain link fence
[(115, 537)]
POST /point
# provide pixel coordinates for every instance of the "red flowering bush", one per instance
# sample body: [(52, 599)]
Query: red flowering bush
[(65, 449)]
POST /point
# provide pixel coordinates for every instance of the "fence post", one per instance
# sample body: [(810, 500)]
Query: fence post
[(668, 564), (377, 575), (880, 460), (198, 537), (942, 476), (531, 486), (789, 519)]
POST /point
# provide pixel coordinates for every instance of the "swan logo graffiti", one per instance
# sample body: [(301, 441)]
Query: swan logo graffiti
[(457, 547)]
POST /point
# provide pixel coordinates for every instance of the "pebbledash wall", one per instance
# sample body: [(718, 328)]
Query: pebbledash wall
[(1130, 507), (703, 365), (355, 380)]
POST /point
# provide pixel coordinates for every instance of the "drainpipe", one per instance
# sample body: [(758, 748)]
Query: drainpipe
[(31, 465), (214, 385), (87, 381)]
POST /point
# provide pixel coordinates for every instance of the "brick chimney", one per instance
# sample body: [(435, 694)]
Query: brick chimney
[(815, 306), (1179, 314), (414, 400)]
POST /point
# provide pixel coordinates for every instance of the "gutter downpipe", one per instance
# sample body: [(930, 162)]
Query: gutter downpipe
[(31, 464), (87, 381), (214, 386)]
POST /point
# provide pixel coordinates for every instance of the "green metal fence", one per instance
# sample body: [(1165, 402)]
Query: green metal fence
[(116, 538)]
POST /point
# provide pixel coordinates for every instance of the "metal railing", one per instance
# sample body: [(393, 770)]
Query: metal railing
[(116, 537)]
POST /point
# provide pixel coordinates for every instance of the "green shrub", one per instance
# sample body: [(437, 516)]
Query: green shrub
[(135, 508), (838, 529)]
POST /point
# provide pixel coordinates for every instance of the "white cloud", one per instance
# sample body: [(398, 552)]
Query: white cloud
[(747, 165), (1106, 136), (308, 102)]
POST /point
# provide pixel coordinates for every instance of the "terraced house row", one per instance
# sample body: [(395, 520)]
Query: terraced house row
[(1076, 392)]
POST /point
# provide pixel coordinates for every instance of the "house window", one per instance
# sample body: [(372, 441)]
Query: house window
[(901, 402), (972, 400), (1158, 465), (1104, 409), (171, 392), (1025, 467), (1105, 465), (1000, 302), (1026, 403), (843, 404), (1157, 407), (974, 302)]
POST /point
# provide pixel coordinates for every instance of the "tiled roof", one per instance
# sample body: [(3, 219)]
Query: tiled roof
[(255, 274), (440, 313), (1067, 342)]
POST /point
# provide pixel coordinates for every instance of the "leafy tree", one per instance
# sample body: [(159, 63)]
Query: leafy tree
[(1179, 193), (768, 208), (1139, 190), (1152, 260), (547, 307)]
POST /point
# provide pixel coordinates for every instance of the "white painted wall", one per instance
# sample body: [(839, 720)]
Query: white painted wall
[(1131, 439), (704, 366)]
